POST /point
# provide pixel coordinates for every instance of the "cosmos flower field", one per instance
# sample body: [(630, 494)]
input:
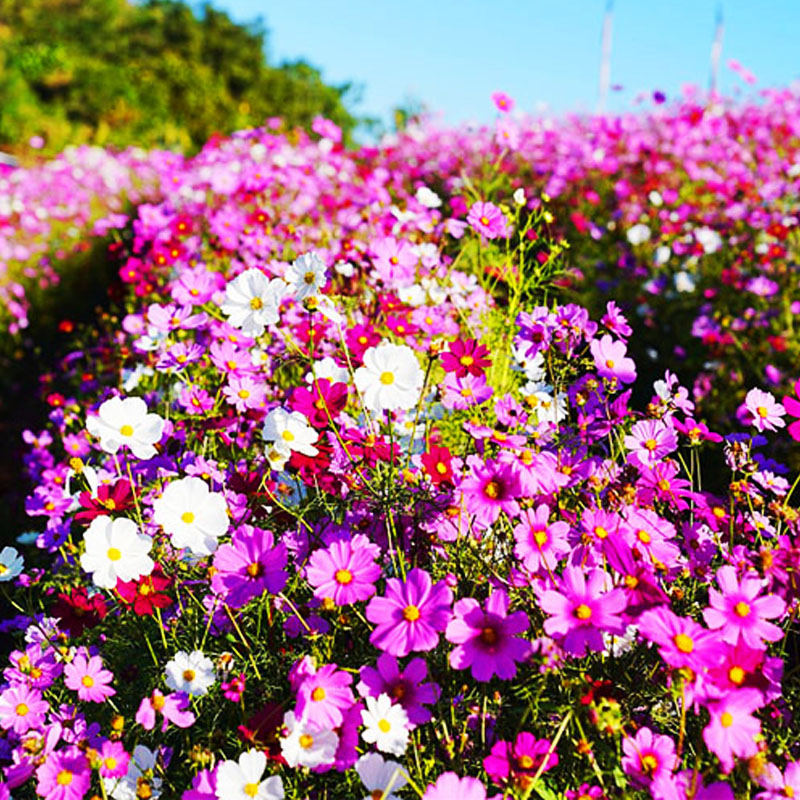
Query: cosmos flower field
[(456, 467)]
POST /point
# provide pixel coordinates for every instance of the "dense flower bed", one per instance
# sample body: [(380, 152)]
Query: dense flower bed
[(359, 509)]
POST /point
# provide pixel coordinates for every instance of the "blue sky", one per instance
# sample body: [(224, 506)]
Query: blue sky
[(452, 54)]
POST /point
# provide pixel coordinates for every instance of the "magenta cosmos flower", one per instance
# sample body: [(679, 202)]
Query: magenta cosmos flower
[(580, 610), (21, 709), (451, 787), (792, 406), (649, 441), (611, 360), (114, 760), (491, 488), (516, 764), (173, 707), (88, 678), (465, 357), (502, 102), (65, 775), (487, 640), (324, 697), (488, 220), (251, 564), (345, 572), (540, 544), (647, 756), (410, 616), (740, 613), (732, 731), (406, 687), (681, 641), (762, 411)]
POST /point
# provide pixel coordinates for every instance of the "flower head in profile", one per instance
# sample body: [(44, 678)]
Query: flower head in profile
[(11, 563), (125, 422), (192, 515), (410, 615), (380, 777), (390, 379), (792, 407)]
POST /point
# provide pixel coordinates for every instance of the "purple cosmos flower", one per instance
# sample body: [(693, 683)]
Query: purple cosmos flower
[(487, 640), (649, 441), (491, 488), (251, 564), (732, 730), (173, 707), (647, 756), (35, 667), (324, 696), (406, 687), (488, 220), (540, 544), (762, 411), (410, 616), (740, 613), (345, 571), (88, 678), (580, 610), (611, 360), (515, 764), (65, 775)]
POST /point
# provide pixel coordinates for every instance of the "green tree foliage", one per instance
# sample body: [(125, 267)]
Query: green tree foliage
[(154, 74)]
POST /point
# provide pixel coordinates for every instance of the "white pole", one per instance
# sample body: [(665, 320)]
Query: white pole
[(716, 51)]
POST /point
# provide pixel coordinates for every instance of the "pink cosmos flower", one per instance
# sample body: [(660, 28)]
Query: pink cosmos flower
[(540, 544), (395, 261), (487, 640), (250, 565), (783, 786), (732, 730), (411, 615), (762, 411), (195, 400), (681, 641), (491, 488), (88, 678), (324, 696), (647, 756), (244, 393), (406, 687), (649, 441), (503, 102), (792, 407), (611, 360), (113, 760), (515, 764), (740, 613), (22, 708), (173, 707), (65, 775), (488, 220), (450, 787), (580, 610), (345, 571), (462, 393)]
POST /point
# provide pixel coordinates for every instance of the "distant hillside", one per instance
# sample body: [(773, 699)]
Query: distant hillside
[(154, 73)]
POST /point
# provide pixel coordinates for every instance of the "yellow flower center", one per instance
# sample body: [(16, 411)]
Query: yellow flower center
[(126, 430), (189, 675), (287, 436), (484, 220), (110, 762), (251, 789), (306, 740), (387, 378), (64, 778), (525, 762), (343, 576), (114, 554), (762, 412), (22, 710), (644, 537), (600, 532), (318, 695), (255, 569), (466, 361), (736, 675), (741, 609), (411, 613), (466, 392), (187, 517), (649, 764), (87, 681), (492, 490), (631, 581), (158, 702), (651, 444), (384, 726), (540, 537), (726, 720), (256, 303), (684, 643), (244, 394), (583, 611), (609, 363), (309, 278)]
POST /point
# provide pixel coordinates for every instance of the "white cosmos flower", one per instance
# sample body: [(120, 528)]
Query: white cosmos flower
[(327, 368), (638, 234), (191, 672), (307, 275), (305, 746), (193, 515), (546, 407), (381, 778), (391, 378), (242, 780), (709, 239), (10, 564), (428, 198), (385, 725), (290, 431), (115, 549), (141, 767), (125, 421), (252, 300)]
